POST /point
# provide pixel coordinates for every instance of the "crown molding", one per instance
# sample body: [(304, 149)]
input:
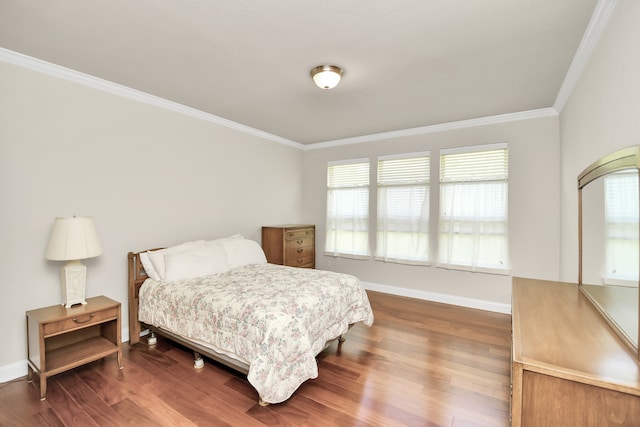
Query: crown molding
[(68, 74), (597, 24), (442, 127)]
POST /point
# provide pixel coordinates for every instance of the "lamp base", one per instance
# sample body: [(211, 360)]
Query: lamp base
[(73, 277)]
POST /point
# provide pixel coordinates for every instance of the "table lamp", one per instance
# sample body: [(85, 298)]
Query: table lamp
[(73, 239)]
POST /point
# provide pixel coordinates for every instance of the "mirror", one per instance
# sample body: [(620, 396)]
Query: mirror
[(609, 234)]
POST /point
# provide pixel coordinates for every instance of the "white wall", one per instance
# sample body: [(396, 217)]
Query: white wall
[(533, 210), (602, 115), (149, 177)]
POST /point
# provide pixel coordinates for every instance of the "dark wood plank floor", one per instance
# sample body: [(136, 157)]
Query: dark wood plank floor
[(421, 364)]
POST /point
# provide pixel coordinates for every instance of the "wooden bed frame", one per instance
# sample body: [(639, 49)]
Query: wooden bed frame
[(137, 276)]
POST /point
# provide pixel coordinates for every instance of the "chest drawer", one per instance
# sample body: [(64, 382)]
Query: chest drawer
[(299, 251), (80, 321), (300, 233), (299, 242), (307, 261)]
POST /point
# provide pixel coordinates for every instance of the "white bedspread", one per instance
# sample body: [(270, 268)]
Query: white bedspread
[(276, 318)]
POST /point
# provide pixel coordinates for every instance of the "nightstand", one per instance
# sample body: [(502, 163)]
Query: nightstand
[(61, 338)]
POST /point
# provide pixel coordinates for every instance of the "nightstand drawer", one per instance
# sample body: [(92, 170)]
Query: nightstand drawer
[(81, 320)]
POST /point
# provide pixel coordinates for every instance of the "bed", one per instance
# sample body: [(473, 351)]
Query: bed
[(221, 299)]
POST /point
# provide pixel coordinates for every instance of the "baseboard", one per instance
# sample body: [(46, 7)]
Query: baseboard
[(13, 371), (442, 298)]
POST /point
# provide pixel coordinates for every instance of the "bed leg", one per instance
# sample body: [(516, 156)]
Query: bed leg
[(262, 402), (152, 340), (198, 361)]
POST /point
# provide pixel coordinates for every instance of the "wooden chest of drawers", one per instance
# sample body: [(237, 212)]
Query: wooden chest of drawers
[(292, 245)]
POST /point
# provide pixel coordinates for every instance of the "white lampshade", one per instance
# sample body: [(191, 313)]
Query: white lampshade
[(73, 238), (326, 76)]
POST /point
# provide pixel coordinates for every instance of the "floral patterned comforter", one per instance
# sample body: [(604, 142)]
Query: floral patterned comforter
[(274, 317)]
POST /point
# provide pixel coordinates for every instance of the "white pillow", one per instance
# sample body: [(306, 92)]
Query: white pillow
[(197, 261), (148, 265), (242, 252), (157, 257)]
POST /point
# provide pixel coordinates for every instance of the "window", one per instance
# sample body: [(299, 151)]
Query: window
[(621, 227), (348, 209), (403, 209), (473, 209)]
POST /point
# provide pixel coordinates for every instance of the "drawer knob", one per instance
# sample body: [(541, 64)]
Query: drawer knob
[(75, 319), (299, 241), (300, 250)]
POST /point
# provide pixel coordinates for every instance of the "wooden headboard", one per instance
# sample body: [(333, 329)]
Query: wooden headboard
[(137, 276)]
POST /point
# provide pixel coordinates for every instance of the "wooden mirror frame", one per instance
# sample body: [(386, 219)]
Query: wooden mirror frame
[(626, 158)]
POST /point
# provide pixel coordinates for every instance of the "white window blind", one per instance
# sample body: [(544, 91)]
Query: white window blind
[(347, 232), (473, 209), (621, 228), (403, 209)]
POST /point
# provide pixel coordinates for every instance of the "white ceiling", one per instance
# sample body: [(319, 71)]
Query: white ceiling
[(408, 63)]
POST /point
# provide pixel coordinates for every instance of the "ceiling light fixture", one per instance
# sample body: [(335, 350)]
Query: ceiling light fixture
[(326, 76)]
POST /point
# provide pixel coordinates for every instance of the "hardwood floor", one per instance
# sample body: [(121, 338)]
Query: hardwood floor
[(420, 364)]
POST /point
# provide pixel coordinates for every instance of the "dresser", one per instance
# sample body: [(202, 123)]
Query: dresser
[(293, 245), (568, 367)]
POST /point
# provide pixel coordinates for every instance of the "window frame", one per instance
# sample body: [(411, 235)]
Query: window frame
[(476, 237), (331, 248), (419, 225)]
